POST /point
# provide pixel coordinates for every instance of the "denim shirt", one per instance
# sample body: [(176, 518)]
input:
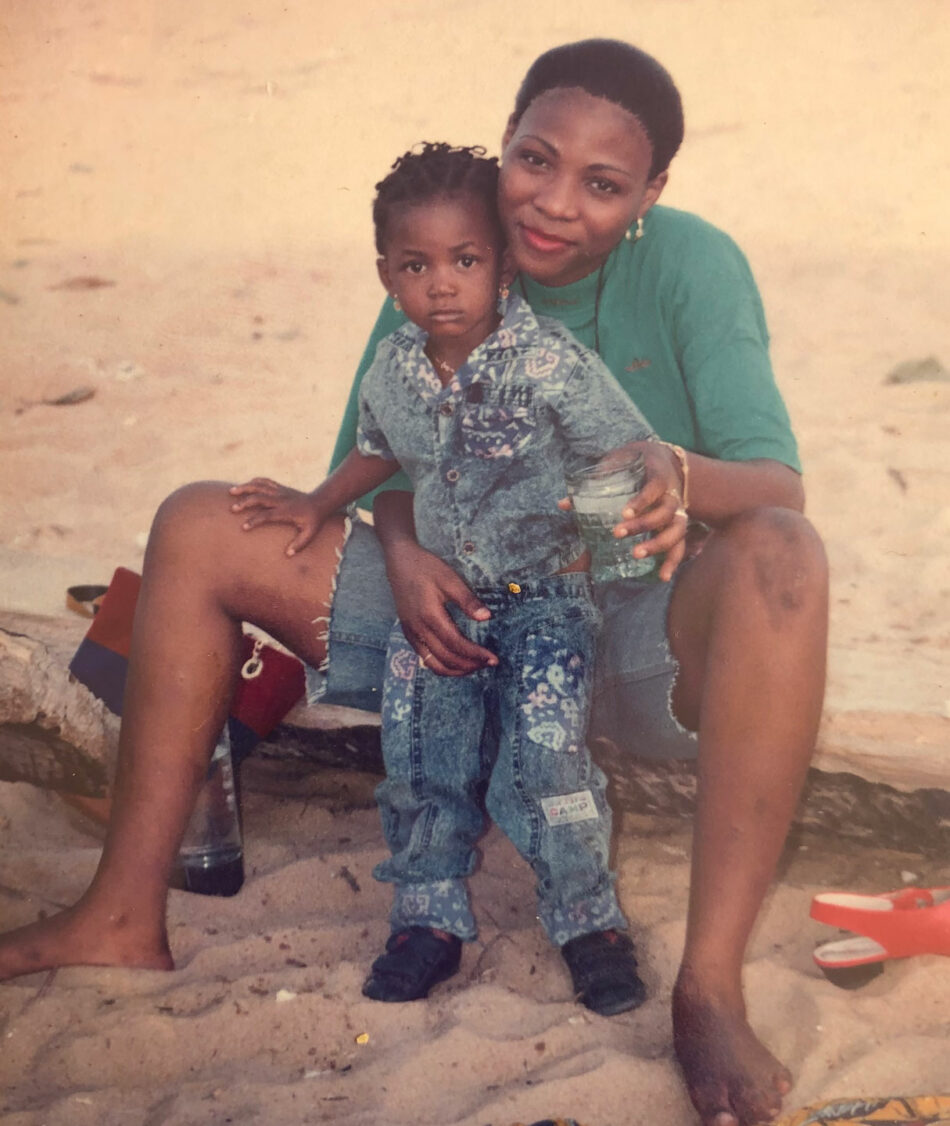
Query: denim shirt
[(488, 453)]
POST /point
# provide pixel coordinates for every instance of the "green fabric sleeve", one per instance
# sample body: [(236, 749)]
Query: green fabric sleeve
[(387, 321), (722, 346)]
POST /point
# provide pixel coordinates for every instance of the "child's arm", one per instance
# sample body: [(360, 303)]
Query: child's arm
[(387, 322), (277, 504)]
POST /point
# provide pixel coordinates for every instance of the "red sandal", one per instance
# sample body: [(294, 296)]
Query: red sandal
[(894, 925)]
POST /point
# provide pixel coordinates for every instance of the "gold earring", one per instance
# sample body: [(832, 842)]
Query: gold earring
[(396, 304), (503, 292), (639, 232)]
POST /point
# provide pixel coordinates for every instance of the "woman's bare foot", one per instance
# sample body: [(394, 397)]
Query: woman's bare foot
[(731, 1077), (81, 937)]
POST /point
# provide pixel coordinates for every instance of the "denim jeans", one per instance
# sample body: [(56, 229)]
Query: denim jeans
[(635, 676), (512, 736)]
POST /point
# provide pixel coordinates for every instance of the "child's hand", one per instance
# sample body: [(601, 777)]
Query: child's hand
[(278, 504)]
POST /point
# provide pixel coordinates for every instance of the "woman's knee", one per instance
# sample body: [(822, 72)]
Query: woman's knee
[(192, 518), (779, 552)]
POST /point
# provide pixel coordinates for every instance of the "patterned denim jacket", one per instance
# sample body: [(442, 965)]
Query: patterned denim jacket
[(487, 454)]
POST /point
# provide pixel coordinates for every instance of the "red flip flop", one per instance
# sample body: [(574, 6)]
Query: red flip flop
[(897, 924)]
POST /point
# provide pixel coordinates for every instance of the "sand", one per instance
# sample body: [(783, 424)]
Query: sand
[(185, 191)]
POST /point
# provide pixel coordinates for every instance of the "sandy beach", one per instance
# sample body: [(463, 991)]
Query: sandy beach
[(186, 256)]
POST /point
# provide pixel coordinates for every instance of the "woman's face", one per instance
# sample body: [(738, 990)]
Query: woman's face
[(574, 176)]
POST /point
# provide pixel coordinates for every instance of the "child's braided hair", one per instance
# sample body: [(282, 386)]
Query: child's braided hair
[(437, 171)]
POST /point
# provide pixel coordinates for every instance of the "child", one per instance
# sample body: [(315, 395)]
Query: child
[(485, 407)]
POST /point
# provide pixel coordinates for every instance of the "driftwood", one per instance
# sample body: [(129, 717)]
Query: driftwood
[(55, 734), (53, 731)]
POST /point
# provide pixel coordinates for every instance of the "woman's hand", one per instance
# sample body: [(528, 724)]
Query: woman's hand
[(422, 584), (271, 503), (656, 508)]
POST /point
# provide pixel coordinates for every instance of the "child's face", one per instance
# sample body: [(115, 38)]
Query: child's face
[(443, 264)]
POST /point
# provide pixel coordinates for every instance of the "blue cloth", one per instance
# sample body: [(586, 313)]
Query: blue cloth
[(635, 669), (487, 454), (519, 730), (636, 672)]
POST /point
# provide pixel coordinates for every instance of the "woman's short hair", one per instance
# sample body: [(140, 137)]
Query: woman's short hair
[(621, 73), (437, 171)]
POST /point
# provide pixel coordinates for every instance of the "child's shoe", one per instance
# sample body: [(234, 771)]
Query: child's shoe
[(416, 959), (604, 972)]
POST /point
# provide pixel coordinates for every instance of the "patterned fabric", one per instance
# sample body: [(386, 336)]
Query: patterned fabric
[(514, 733), (553, 678), (915, 1110), (488, 453)]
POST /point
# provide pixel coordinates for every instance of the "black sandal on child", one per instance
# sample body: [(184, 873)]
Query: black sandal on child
[(604, 972), (416, 959)]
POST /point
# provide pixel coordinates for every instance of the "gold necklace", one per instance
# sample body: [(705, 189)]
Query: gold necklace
[(442, 365)]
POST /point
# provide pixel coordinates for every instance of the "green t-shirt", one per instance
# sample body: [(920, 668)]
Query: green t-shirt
[(680, 323)]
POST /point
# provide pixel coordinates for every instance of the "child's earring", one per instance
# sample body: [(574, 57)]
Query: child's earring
[(503, 292), (396, 304), (639, 232)]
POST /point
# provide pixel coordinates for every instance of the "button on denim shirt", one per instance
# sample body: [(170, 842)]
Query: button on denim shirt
[(488, 453)]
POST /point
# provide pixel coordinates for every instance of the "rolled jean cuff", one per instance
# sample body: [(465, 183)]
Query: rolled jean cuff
[(442, 904), (597, 912)]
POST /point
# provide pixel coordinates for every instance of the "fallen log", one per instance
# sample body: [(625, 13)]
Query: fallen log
[(53, 731), (55, 734)]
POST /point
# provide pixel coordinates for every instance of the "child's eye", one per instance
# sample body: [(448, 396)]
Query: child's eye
[(414, 267), (467, 261)]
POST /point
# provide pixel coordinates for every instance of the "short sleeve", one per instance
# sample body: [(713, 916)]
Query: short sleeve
[(594, 412), (370, 438), (722, 348), (387, 321)]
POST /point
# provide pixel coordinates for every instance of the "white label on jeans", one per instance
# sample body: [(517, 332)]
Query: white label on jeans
[(566, 808)]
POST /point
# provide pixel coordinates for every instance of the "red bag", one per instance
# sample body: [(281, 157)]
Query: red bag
[(271, 683)]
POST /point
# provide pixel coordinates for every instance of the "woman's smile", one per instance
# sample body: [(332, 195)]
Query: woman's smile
[(541, 241)]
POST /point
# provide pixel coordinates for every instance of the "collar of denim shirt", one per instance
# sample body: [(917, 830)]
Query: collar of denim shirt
[(518, 329)]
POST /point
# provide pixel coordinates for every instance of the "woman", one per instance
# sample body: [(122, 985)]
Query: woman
[(727, 662)]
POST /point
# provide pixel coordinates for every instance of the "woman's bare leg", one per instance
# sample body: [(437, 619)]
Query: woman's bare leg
[(748, 624), (202, 577)]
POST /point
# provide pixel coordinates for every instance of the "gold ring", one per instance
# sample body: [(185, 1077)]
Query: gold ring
[(681, 512), (424, 661), (673, 493)]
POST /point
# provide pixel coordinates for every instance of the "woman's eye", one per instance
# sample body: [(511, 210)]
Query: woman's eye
[(604, 187), (533, 159)]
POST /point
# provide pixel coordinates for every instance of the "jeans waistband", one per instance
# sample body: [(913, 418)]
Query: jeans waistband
[(572, 584)]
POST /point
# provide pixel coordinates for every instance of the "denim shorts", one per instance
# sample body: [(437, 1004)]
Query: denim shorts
[(635, 674)]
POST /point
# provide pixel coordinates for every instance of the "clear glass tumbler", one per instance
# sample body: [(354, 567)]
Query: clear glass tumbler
[(599, 492)]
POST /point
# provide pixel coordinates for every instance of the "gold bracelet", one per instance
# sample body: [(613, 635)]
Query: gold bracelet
[(680, 454)]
